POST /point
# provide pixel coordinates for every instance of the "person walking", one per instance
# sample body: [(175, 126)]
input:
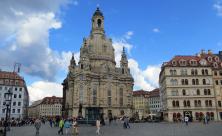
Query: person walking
[(127, 122), (98, 126), (67, 126), (50, 122), (124, 122), (37, 125), (186, 119), (75, 127), (61, 125)]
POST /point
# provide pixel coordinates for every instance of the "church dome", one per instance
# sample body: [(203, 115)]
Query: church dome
[(98, 12)]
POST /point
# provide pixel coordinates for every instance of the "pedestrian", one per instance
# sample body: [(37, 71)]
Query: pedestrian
[(67, 126), (37, 126), (127, 122), (61, 125), (98, 126), (50, 122), (75, 127), (124, 122), (208, 119), (186, 119)]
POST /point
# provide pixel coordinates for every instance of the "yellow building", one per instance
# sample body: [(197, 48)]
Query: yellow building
[(140, 103)]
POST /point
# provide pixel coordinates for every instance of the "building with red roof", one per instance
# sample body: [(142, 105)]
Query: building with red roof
[(20, 96), (190, 86), (46, 107)]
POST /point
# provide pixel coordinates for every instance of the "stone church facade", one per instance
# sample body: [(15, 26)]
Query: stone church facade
[(96, 85)]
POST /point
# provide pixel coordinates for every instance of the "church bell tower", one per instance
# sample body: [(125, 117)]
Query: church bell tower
[(97, 23)]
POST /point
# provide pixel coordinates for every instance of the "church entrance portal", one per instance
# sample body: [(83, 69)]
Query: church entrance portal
[(92, 113)]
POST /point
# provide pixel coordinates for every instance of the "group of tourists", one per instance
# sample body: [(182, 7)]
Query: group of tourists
[(67, 124), (206, 119), (71, 126)]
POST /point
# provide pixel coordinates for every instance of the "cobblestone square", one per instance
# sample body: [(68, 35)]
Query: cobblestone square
[(138, 129)]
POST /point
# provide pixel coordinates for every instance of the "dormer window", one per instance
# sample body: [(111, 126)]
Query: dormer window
[(183, 62), (215, 65), (209, 59), (203, 62), (216, 59), (193, 62), (174, 63)]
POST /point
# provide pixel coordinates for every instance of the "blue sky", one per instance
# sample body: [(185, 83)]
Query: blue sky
[(45, 34), (185, 27)]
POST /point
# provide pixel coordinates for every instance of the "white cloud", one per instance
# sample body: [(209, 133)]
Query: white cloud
[(218, 6), (151, 74), (128, 35), (25, 27), (156, 30), (119, 43), (143, 79), (41, 89)]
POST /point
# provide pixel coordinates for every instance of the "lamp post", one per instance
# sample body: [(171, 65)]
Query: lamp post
[(7, 102)]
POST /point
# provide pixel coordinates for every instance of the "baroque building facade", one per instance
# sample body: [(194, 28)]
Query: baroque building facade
[(191, 86), (95, 85), (20, 96)]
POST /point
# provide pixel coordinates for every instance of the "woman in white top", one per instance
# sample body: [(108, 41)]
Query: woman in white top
[(98, 126)]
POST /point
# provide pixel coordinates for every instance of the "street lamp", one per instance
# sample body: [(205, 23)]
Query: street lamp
[(7, 102)]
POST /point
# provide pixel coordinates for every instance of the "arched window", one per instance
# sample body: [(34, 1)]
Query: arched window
[(196, 72), (195, 103), (122, 70), (177, 104), (198, 92), (182, 81), (193, 82), (210, 103), (171, 72), (192, 72), (184, 103), (197, 82), (205, 91), (206, 71), (188, 103), (204, 81), (202, 71), (109, 96), (94, 96), (208, 92), (184, 92), (199, 103), (174, 72), (206, 103), (121, 97), (174, 103), (99, 22), (81, 94), (186, 82)]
